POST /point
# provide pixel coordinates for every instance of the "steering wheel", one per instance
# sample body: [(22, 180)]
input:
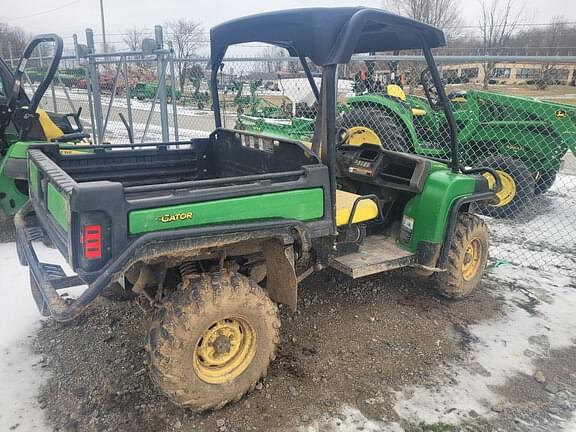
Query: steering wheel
[(30, 110), (430, 89)]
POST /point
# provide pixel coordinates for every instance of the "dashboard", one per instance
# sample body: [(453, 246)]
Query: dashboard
[(372, 164)]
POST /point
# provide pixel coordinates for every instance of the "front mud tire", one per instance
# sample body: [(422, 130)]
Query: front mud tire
[(213, 340), (467, 258)]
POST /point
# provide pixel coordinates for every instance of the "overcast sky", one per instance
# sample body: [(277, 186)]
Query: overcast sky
[(66, 17)]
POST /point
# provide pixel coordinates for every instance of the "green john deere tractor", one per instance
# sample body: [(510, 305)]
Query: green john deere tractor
[(523, 139), (22, 122)]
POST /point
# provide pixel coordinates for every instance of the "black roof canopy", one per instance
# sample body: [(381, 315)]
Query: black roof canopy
[(326, 35)]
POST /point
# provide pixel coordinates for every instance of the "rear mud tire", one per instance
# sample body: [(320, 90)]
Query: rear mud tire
[(524, 184), (180, 328), (386, 126), (460, 279)]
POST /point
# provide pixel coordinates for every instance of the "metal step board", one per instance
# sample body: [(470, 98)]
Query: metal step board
[(378, 254)]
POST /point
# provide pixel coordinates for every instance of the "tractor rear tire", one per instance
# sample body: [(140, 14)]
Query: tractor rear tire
[(545, 182), (467, 258), (523, 185), (389, 130), (212, 340)]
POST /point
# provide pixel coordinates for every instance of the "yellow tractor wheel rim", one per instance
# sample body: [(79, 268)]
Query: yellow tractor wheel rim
[(508, 192), (224, 351), (472, 258), (359, 135)]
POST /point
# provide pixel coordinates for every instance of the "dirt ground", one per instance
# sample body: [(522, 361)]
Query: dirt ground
[(348, 341), (353, 344)]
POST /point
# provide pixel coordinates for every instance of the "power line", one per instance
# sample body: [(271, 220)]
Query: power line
[(512, 25), (44, 12)]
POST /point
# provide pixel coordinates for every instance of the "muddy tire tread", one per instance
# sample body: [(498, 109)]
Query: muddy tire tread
[(450, 283), (196, 294)]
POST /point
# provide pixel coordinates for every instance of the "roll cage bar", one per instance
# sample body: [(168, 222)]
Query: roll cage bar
[(15, 92)]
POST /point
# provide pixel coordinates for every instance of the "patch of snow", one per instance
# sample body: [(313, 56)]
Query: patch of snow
[(542, 236), (571, 426), (350, 420), (20, 373), (539, 317)]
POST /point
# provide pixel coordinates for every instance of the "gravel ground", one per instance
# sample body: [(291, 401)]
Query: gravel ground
[(348, 342), (352, 344)]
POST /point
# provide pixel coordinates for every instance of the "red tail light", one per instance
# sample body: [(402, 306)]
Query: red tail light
[(93, 242)]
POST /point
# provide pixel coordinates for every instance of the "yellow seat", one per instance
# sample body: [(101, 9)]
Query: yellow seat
[(396, 91), (51, 131), (418, 112), (365, 210)]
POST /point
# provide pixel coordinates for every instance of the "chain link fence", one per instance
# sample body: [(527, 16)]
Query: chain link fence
[(516, 115)]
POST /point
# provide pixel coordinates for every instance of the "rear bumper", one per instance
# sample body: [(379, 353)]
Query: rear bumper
[(47, 279)]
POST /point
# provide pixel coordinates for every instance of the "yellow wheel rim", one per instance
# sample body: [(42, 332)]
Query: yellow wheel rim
[(472, 258), (508, 192), (359, 135), (224, 351)]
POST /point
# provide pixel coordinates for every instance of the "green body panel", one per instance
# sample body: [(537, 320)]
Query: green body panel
[(18, 150), (302, 204), (12, 199), (58, 206), (431, 209)]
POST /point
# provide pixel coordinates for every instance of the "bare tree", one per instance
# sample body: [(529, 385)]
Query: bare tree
[(273, 64), (12, 40), (498, 23), (187, 38), (551, 39), (133, 38), (444, 14)]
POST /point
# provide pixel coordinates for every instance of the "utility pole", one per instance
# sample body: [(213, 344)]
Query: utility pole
[(103, 26)]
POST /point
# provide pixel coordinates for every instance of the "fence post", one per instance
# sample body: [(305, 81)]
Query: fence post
[(128, 94), (173, 87), (162, 99), (95, 86), (11, 54)]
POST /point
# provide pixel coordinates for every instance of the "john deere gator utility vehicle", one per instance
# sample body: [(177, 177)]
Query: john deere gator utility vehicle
[(22, 122), (214, 233)]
